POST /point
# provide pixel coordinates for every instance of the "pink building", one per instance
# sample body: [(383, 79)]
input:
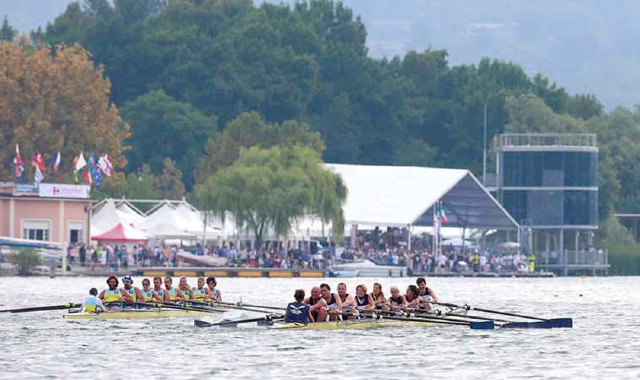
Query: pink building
[(49, 212)]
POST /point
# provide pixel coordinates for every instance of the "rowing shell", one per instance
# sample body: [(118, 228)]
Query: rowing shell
[(137, 314), (355, 325)]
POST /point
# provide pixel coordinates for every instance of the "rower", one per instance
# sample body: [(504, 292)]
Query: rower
[(411, 297), (186, 290), (348, 303), (159, 290), (112, 297), (213, 294), (378, 297), (334, 304), (364, 301), (148, 293), (171, 294), (298, 312), (318, 305), (92, 303), (426, 294), (200, 291), (396, 300), (131, 293)]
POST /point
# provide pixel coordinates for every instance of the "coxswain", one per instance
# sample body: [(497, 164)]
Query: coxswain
[(364, 301), (396, 300), (317, 305), (298, 312), (411, 297), (334, 305), (149, 294), (159, 290), (131, 293), (171, 294), (186, 290), (213, 294), (348, 303), (425, 294), (200, 291), (378, 297), (112, 297), (92, 304)]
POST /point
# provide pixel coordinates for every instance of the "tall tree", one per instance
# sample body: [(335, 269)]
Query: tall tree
[(270, 188), (170, 181), (53, 102), (162, 127), (7, 32)]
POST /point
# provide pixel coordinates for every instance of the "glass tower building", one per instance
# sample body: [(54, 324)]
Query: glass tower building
[(549, 184)]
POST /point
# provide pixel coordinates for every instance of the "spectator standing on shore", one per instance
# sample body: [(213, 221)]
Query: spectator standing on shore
[(83, 254)]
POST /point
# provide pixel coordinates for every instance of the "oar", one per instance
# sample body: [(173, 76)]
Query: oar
[(169, 305), (240, 304), (42, 308), (546, 323), (231, 306), (272, 317), (420, 312), (486, 325)]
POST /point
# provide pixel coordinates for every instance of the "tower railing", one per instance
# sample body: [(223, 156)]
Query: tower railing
[(544, 139)]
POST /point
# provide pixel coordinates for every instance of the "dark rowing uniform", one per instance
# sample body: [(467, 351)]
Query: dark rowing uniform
[(378, 303), (396, 302), (362, 303), (297, 312), (421, 305), (314, 313)]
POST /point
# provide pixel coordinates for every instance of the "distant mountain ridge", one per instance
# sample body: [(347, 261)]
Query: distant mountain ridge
[(586, 46)]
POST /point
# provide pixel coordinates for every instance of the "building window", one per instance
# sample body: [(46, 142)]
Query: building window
[(36, 230), (76, 232)]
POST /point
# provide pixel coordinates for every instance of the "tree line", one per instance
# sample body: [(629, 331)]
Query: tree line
[(196, 80)]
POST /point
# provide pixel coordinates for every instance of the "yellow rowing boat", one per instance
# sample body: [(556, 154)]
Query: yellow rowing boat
[(138, 314), (356, 325)]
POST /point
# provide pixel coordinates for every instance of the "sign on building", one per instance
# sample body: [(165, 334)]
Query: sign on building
[(26, 190), (51, 190)]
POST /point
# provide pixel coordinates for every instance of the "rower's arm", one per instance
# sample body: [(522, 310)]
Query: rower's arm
[(180, 295), (167, 298), (371, 305), (156, 297), (338, 303), (219, 297), (127, 297), (433, 295), (139, 295), (101, 295), (100, 305)]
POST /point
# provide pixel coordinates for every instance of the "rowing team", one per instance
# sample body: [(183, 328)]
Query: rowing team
[(129, 296), (323, 305)]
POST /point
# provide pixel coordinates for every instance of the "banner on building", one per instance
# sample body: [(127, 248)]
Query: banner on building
[(51, 190), (26, 190)]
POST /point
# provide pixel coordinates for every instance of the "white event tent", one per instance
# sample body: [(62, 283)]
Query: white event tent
[(109, 216)]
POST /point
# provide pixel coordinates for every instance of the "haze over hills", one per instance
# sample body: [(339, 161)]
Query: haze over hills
[(586, 46)]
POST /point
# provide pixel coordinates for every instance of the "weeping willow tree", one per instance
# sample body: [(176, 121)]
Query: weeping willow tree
[(272, 187)]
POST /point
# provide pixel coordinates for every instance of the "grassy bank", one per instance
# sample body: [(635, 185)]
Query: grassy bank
[(624, 260)]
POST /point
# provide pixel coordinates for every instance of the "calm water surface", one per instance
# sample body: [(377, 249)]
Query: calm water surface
[(603, 344)]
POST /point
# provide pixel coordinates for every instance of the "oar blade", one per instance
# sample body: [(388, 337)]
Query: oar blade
[(484, 325), (199, 323), (527, 325), (562, 322)]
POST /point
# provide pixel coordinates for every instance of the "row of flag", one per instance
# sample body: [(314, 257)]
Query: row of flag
[(93, 172)]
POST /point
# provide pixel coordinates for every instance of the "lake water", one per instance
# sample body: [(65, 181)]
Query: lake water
[(603, 344)]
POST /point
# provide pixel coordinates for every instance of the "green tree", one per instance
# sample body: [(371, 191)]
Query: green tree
[(7, 32), (163, 127), (416, 153), (250, 129), (271, 187), (170, 181), (142, 184)]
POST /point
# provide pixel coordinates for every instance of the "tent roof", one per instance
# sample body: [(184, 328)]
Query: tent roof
[(109, 216), (122, 233), (164, 214), (404, 195), (125, 208), (169, 231)]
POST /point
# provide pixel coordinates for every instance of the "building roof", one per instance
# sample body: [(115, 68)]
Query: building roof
[(405, 195)]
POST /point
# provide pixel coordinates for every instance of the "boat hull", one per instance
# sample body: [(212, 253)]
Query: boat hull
[(355, 325), (137, 314)]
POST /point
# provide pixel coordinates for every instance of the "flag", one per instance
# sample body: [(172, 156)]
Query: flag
[(443, 216), (55, 163), (98, 178), (18, 162), (87, 177), (38, 176), (79, 162), (105, 165), (40, 161)]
